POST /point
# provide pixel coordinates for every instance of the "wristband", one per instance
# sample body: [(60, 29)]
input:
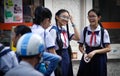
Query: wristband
[(73, 25)]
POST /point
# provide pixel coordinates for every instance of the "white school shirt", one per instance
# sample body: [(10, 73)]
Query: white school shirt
[(106, 38), (44, 34), (64, 36), (8, 61)]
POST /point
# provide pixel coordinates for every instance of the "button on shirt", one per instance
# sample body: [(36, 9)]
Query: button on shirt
[(96, 40)]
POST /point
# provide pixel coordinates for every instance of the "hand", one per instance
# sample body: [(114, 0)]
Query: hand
[(91, 54), (86, 58), (71, 19)]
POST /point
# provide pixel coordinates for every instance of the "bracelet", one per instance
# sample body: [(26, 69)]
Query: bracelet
[(73, 25)]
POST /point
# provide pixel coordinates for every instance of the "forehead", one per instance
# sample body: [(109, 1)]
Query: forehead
[(92, 13), (65, 14)]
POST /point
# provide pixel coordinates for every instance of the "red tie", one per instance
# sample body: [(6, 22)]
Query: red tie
[(93, 35), (64, 34)]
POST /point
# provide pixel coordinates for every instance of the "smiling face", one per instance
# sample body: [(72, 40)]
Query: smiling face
[(63, 19), (93, 18)]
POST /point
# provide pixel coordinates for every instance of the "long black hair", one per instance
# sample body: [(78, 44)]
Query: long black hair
[(41, 13), (58, 13), (98, 13)]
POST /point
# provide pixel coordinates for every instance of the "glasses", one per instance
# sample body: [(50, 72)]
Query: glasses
[(67, 18), (92, 17)]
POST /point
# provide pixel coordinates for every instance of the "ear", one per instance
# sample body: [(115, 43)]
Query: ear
[(47, 19), (99, 17), (18, 36), (56, 17)]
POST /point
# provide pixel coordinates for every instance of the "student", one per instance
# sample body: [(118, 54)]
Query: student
[(8, 59), (20, 30), (41, 23), (61, 39), (97, 43), (29, 47)]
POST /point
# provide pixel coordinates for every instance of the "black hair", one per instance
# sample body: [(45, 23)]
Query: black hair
[(58, 13), (98, 13), (41, 13), (22, 29)]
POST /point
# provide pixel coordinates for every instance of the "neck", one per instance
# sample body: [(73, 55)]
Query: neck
[(30, 61), (44, 25), (59, 25), (93, 27)]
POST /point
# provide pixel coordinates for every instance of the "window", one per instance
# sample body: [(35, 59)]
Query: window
[(110, 10), (28, 9), (28, 15), (1, 11)]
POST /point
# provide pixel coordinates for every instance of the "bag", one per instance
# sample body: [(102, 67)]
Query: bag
[(41, 67), (70, 71)]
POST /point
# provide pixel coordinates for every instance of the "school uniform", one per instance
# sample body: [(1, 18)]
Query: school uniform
[(8, 61), (98, 64), (49, 43), (65, 63)]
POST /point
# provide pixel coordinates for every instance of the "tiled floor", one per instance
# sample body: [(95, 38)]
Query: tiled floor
[(75, 67)]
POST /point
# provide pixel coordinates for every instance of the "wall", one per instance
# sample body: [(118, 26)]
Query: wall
[(78, 9)]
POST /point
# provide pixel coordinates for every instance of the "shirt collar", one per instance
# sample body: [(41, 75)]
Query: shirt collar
[(97, 29)]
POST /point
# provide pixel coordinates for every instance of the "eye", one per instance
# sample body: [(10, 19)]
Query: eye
[(65, 17), (92, 16)]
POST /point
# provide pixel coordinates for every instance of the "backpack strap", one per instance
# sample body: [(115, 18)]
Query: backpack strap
[(4, 52), (2, 47), (102, 37), (58, 38), (53, 27), (84, 33)]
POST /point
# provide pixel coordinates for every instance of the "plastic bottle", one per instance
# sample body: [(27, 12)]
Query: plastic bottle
[(42, 68)]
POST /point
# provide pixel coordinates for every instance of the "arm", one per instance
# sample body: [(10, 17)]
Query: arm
[(103, 50), (53, 59), (76, 34), (52, 50), (100, 51), (81, 48)]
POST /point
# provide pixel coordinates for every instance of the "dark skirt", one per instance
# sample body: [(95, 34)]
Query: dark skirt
[(96, 67), (65, 66)]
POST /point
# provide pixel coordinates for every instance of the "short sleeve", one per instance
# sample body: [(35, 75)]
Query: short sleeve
[(81, 37), (106, 37), (49, 40)]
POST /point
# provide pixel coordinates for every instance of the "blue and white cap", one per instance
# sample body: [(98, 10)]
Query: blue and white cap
[(30, 44)]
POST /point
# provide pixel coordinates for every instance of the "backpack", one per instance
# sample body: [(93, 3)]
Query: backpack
[(102, 35), (2, 54)]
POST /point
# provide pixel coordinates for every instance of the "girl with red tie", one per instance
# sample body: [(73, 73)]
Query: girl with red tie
[(61, 39), (96, 43)]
